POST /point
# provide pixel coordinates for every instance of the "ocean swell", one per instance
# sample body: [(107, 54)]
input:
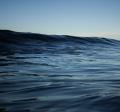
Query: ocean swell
[(58, 73), (13, 42)]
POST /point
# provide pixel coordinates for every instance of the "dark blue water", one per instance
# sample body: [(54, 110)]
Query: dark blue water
[(42, 73)]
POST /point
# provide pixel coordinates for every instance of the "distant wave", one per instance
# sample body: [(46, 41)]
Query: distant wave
[(20, 37), (11, 41)]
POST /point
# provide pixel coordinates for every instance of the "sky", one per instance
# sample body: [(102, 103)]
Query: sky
[(99, 18)]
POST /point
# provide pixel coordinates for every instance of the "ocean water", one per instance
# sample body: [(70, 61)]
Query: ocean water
[(50, 73)]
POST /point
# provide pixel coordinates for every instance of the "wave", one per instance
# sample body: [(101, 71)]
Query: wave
[(20, 37), (32, 42), (58, 73)]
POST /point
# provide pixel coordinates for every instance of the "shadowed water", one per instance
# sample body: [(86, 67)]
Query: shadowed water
[(41, 73)]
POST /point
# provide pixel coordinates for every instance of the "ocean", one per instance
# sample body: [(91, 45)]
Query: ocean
[(58, 73)]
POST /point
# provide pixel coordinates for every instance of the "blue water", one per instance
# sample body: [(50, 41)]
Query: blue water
[(41, 73)]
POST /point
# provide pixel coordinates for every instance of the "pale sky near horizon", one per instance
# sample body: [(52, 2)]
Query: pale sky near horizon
[(66, 17)]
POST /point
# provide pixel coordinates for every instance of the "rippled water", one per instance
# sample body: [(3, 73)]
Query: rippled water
[(64, 77)]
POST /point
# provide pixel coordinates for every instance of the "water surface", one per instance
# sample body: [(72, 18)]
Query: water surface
[(41, 73)]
